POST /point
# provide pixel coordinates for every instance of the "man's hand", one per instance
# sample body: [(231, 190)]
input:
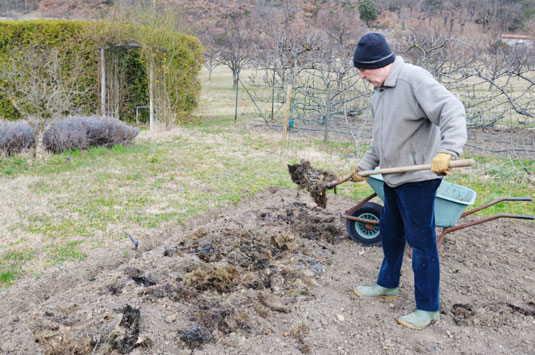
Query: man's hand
[(440, 163), (356, 177)]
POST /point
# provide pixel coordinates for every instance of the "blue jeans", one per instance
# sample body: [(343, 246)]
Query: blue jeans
[(409, 215)]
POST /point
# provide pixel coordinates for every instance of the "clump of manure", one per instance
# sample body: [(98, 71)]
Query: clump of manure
[(313, 180)]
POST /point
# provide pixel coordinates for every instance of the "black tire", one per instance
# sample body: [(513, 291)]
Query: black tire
[(365, 233)]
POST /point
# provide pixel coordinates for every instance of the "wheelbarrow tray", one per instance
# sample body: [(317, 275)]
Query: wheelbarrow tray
[(450, 202)]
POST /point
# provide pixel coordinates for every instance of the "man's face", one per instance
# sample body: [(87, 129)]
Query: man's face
[(375, 77)]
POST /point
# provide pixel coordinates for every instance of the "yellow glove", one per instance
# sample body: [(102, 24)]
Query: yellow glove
[(356, 177), (440, 163)]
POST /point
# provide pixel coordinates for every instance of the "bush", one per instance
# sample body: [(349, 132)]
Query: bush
[(66, 134), (72, 133), (15, 136)]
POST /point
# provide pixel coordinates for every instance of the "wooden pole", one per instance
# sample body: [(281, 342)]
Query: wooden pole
[(237, 79), (151, 94), (102, 82), (327, 114), (273, 95), (286, 117), (116, 84)]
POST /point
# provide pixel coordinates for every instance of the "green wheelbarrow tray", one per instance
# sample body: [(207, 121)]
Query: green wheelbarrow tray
[(362, 220)]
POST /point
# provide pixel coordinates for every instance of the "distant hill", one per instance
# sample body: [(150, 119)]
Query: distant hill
[(495, 15), (68, 9)]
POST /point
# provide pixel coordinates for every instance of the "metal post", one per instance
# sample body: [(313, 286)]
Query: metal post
[(137, 112)]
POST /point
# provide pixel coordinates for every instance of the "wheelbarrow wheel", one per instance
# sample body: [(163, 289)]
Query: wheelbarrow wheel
[(365, 233)]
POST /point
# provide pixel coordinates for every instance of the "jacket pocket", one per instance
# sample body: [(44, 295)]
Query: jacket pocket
[(413, 154)]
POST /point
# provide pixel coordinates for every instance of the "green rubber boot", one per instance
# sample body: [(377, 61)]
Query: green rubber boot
[(376, 291), (418, 320)]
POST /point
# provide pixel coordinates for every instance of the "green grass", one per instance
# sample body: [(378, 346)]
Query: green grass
[(11, 263), (60, 253), (8, 277)]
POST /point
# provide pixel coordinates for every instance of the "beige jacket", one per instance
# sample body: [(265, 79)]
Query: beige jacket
[(415, 117)]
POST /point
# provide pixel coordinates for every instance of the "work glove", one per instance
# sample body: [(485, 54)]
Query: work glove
[(356, 177), (440, 163)]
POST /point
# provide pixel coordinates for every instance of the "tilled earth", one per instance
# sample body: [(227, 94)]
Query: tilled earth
[(274, 275)]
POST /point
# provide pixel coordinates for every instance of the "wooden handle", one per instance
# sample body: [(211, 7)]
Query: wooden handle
[(401, 169), (405, 169), (338, 182)]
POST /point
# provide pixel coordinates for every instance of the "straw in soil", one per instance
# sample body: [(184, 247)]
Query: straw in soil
[(312, 180)]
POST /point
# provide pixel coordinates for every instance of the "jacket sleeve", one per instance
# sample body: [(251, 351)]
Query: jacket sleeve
[(444, 110)]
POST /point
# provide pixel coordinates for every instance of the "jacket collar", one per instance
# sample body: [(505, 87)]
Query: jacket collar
[(392, 77)]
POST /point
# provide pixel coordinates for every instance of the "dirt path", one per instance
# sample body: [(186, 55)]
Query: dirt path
[(274, 275)]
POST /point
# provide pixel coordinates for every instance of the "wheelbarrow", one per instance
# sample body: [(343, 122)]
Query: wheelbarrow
[(362, 220)]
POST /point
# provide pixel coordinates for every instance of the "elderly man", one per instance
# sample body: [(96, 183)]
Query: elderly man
[(416, 121)]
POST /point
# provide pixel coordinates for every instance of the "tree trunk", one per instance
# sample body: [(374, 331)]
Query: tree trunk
[(39, 144)]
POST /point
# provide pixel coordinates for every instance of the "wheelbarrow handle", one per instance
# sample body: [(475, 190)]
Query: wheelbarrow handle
[(405, 169)]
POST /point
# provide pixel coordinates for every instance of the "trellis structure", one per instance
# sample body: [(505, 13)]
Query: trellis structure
[(171, 62)]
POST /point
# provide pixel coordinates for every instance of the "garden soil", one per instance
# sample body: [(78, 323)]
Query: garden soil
[(274, 275)]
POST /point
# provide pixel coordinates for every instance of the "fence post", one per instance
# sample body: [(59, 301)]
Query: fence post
[(286, 117), (327, 114), (237, 90), (273, 94)]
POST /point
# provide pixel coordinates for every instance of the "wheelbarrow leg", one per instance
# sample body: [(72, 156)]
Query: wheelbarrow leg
[(487, 219), (483, 220)]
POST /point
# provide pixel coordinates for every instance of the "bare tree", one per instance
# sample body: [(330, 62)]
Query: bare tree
[(227, 27), (42, 84)]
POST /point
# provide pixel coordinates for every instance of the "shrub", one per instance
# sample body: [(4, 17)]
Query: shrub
[(72, 133), (108, 132), (15, 136)]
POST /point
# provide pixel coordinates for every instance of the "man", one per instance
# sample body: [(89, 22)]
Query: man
[(416, 121)]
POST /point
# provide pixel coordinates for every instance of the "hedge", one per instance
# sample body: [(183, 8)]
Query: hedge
[(182, 53)]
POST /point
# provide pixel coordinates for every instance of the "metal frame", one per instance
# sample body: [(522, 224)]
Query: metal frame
[(486, 219), (347, 215)]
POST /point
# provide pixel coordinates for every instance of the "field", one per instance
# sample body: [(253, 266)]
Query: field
[(231, 258)]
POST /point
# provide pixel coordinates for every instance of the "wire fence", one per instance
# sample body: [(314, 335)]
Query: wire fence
[(341, 113)]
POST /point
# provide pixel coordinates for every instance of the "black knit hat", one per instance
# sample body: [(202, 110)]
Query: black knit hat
[(372, 52)]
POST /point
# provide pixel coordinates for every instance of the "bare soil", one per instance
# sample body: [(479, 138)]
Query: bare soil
[(274, 275)]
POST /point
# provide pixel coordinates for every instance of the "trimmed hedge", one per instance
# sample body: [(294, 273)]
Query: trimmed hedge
[(181, 53), (71, 133)]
